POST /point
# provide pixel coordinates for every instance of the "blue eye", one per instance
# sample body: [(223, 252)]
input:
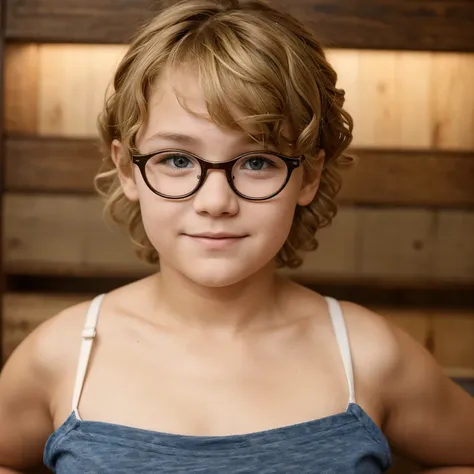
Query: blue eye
[(173, 161), (257, 163), (177, 161)]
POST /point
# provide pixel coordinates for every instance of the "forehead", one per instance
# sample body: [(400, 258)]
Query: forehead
[(178, 111), (176, 88)]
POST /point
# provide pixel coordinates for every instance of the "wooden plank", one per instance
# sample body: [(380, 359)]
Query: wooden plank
[(379, 113), (396, 243), (72, 87), (425, 245), (383, 177), (57, 89), (22, 79), (60, 234), (375, 24), (454, 340), (410, 178), (35, 164), (408, 99), (460, 260), (64, 235), (447, 101), (399, 100)]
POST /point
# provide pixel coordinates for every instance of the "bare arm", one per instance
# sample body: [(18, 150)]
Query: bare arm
[(25, 420), (429, 418)]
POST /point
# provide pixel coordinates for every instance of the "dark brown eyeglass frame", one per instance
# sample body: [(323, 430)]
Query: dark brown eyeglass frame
[(291, 165)]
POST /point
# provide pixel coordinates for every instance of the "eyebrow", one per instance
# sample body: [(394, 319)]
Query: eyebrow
[(189, 139), (175, 137)]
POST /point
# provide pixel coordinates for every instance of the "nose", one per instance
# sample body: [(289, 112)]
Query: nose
[(215, 197)]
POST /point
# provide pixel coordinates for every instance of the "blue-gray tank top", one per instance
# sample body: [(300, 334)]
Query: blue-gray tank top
[(348, 442)]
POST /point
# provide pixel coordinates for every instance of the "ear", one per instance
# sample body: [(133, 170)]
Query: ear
[(311, 181), (125, 171)]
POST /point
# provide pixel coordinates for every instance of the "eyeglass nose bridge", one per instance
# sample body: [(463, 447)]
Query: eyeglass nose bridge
[(208, 165), (216, 166)]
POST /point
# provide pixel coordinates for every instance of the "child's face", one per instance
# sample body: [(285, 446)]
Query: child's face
[(261, 228)]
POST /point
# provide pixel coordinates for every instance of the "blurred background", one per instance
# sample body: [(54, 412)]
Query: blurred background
[(403, 242)]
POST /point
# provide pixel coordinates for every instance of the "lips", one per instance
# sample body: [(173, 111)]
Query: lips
[(216, 241), (216, 235)]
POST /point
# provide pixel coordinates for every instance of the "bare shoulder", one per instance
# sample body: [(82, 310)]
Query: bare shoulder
[(28, 383), (387, 354), (425, 414), (376, 344), (59, 335), (377, 351), (49, 348), (55, 343), (382, 352)]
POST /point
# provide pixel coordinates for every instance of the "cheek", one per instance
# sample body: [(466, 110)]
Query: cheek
[(159, 217), (271, 220), (281, 213)]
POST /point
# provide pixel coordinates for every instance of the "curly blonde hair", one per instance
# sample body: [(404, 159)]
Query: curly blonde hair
[(249, 57)]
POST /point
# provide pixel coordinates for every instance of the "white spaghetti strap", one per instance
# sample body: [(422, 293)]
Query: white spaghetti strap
[(339, 325), (88, 335)]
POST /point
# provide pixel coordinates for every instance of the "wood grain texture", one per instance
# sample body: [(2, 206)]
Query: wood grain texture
[(399, 100), (36, 164), (382, 177), (67, 235), (399, 246), (443, 25), (62, 234), (415, 100), (454, 340), (410, 178), (447, 100), (459, 259), (57, 89), (73, 86), (22, 80)]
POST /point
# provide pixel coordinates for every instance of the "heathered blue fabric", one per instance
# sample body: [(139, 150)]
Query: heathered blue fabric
[(348, 442)]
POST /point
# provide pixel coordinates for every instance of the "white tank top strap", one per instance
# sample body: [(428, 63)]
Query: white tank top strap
[(88, 335), (340, 329)]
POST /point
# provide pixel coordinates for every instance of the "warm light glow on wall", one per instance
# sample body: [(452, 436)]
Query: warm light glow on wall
[(397, 99)]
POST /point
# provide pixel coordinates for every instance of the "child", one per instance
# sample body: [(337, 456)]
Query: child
[(224, 136)]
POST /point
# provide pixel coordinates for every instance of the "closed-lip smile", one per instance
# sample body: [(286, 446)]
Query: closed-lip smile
[(216, 235)]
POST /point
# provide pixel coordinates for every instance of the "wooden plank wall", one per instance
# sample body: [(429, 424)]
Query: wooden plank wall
[(441, 25), (405, 212), (406, 218), (403, 242)]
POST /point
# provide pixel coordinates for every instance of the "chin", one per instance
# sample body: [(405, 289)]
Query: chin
[(219, 274)]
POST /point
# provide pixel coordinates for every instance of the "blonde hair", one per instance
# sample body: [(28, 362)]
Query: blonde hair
[(249, 57)]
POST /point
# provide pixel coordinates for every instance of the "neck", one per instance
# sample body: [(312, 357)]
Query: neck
[(246, 305)]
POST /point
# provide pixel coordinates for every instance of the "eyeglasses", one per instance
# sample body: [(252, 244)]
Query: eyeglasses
[(178, 174)]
